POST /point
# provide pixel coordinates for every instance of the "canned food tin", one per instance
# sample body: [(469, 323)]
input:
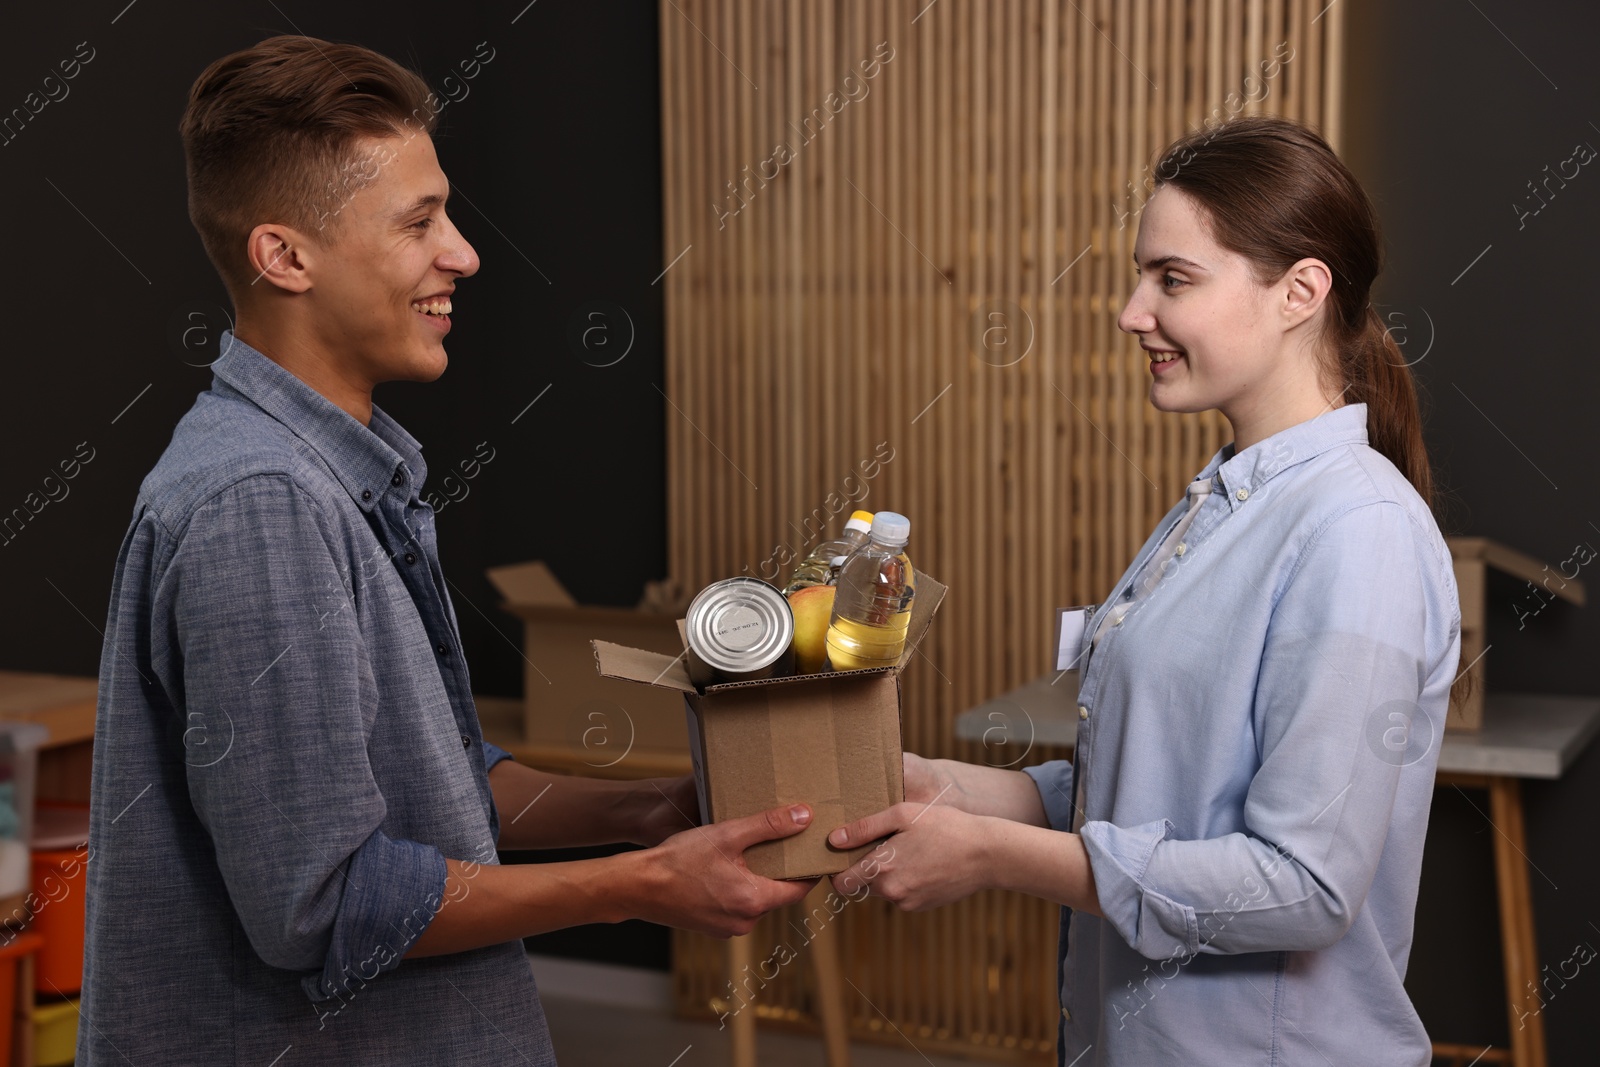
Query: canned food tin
[(738, 630)]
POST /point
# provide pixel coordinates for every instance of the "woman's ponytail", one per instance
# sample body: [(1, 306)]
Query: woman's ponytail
[(1377, 374)]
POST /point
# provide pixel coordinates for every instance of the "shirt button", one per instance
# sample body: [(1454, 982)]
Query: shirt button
[(366, 494), (397, 479), (1243, 494), (1119, 620), (443, 649), (1182, 548), (411, 557), (1083, 712), (1065, 1014), (466, 742)]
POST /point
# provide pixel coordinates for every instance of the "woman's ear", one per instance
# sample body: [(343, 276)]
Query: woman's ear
[(1306, 286)]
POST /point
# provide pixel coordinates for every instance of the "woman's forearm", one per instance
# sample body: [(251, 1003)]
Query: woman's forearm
[(1042, 863), (992, 791)]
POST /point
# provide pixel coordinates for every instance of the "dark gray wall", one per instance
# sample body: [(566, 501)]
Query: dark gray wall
[(554, 155), (1453, 108), (558, 145)]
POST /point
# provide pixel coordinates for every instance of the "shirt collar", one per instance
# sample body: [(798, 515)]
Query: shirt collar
[(1246, 472), (368, 461)]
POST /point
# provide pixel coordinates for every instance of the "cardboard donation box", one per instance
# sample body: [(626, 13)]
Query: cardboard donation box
[(567, 706), (831, 741)]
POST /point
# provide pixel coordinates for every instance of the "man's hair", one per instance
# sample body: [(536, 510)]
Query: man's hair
[(272, 134)]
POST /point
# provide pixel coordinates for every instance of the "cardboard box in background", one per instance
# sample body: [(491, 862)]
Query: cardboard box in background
[(570, 713), (828, 740)]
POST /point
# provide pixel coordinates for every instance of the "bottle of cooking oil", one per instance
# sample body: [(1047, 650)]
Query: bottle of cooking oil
[(817, 568), (872, 608)]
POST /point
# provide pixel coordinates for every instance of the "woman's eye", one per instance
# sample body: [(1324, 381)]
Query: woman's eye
[(1170, 278)]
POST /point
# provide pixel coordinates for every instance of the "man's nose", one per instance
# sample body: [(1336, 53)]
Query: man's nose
[(459, 255)]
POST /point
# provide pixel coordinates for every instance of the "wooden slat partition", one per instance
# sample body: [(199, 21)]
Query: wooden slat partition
[(974, 197)]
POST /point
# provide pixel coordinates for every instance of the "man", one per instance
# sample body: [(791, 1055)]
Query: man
[(295, 815)]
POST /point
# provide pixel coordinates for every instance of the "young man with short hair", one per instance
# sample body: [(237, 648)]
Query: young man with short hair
[(295, 815)]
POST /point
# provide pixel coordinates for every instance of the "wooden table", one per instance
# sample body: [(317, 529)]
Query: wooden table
[(1524, 735)]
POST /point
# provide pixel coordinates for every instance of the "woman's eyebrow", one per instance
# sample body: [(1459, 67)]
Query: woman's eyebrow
[(1163, 261)]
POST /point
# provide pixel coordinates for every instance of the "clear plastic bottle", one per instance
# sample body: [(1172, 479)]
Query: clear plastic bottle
[(872, 609), (816, 568)]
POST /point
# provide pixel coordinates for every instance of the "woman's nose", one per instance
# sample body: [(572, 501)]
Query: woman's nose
[(1134, 317)]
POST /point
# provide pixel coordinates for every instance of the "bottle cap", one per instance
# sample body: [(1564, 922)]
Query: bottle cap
[(861, 520), (891, 528)]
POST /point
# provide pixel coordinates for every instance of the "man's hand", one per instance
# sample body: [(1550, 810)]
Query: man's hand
[(698, 880), (672, 807), (938, 855)]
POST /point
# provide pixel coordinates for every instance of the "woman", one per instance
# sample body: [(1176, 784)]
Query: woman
[(1238, 840)]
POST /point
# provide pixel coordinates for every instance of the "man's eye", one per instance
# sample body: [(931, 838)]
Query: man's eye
[(422, 224)]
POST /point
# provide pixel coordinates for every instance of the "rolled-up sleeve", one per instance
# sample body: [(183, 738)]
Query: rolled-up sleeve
[(1339, 682), (283, 695), (492, 754), (1054, 781)]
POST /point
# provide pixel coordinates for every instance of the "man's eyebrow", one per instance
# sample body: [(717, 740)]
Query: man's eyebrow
[(426, 201), (1175, 261)]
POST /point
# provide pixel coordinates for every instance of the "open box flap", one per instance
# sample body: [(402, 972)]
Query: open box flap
[(638, 665), (530, 584), (930, 594)]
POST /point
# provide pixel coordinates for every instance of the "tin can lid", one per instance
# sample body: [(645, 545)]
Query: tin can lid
[(739, 625)]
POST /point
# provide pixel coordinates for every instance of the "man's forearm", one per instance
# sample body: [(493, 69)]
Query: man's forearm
[(490, 904), (695, 880), (543, 810)]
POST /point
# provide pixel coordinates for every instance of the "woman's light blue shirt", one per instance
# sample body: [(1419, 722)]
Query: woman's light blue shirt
[(1255, 761)]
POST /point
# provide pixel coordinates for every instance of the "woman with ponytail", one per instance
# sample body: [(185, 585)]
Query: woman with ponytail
[(1237, 842)]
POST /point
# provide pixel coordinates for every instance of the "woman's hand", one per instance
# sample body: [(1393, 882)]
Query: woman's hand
[(936, 856), (973, 788), (925, 779)]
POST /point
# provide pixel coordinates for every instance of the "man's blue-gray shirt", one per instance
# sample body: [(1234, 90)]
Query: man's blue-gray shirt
[(286, 751)]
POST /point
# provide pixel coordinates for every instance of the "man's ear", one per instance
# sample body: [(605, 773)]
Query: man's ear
[(1306, 286), (280, 255)]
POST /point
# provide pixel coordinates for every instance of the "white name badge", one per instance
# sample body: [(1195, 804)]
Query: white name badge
[(1070, 623)]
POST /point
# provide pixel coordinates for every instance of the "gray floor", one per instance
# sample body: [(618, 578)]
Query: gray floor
[(606, 1016), (587, 1034)]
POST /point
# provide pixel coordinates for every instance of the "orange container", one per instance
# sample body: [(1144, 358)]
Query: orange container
[(11, 957), (60, 878)]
